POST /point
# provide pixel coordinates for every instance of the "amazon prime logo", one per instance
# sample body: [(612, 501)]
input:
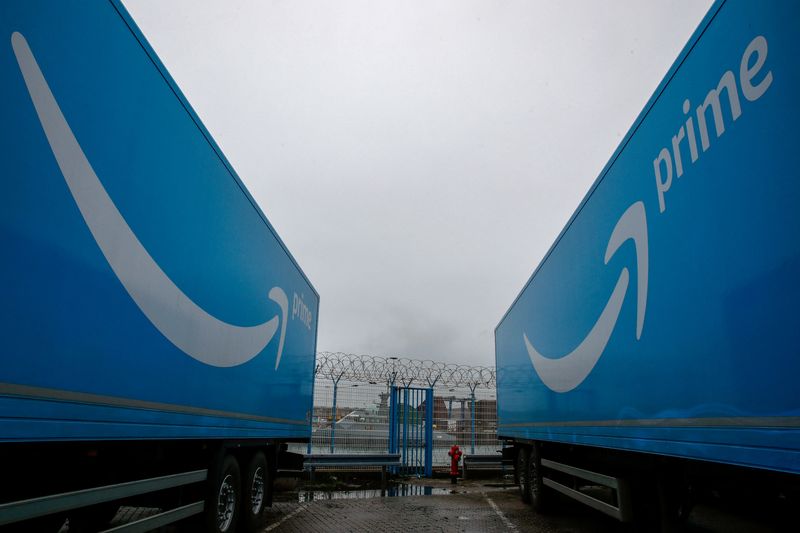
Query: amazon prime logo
[(301, 311), (185, 324), (567, 372)]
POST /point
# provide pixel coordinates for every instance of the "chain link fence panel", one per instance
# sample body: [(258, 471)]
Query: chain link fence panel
[(351, 404)]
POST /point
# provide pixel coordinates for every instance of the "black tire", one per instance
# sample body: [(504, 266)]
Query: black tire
[(539, 494), (223, 503), (256, 485), (675, 500), (523, 456), (645, 505)]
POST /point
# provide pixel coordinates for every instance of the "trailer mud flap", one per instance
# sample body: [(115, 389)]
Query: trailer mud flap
[(289, 462)]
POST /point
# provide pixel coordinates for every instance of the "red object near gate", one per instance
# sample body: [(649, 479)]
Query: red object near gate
[(455, 456)]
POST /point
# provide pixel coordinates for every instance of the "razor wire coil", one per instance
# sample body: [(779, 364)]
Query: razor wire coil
[(402, 371)]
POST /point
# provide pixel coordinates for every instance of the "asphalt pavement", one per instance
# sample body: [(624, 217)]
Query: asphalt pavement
[(470, 506)]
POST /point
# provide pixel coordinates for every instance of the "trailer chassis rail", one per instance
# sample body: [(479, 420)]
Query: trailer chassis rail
[(622, 511), (45, 505)]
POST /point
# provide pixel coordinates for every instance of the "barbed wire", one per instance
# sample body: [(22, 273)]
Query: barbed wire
[(402, 371)]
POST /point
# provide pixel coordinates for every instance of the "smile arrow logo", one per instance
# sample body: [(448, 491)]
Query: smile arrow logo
[(565, 373), (173, 313)]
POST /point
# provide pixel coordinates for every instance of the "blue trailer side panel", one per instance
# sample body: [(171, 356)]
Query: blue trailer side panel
[(145, 295), (664, 319)]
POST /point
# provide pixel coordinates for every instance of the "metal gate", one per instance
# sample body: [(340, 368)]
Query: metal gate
[(411, 429)]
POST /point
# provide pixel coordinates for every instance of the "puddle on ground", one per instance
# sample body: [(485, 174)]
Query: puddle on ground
[(402, 489)]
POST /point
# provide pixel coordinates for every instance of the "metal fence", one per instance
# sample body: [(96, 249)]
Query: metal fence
[(352, 400)]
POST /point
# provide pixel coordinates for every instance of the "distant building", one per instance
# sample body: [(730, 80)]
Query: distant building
[(324, 414), (439, 412), (485, 420)]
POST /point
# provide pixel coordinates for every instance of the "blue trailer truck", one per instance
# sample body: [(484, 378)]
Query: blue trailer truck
[(655, 350), (158, 339)]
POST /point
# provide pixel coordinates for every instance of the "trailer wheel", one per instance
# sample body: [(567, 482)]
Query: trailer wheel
[(539, 494), (523, 456), (675, 498), (255, 491), (224, 499)]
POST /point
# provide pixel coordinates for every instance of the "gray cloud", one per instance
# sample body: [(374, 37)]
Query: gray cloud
[(418, 158)]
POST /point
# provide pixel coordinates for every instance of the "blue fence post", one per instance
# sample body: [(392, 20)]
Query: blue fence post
[(421, 429), (333, 415), (412, 429), (414, 412), (311, 418), (405, 427), (429, 433), (462, 402), (393, 422), (392, 419), (472, 413)]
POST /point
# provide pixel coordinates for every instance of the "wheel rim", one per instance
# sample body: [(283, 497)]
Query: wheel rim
[(226, 503), (257, 491)]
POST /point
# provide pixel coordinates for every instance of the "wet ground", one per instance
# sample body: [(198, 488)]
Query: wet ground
[(476, 505), (434, 505), (392, 491)]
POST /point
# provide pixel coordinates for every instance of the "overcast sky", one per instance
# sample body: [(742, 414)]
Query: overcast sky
[(418, 158)]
